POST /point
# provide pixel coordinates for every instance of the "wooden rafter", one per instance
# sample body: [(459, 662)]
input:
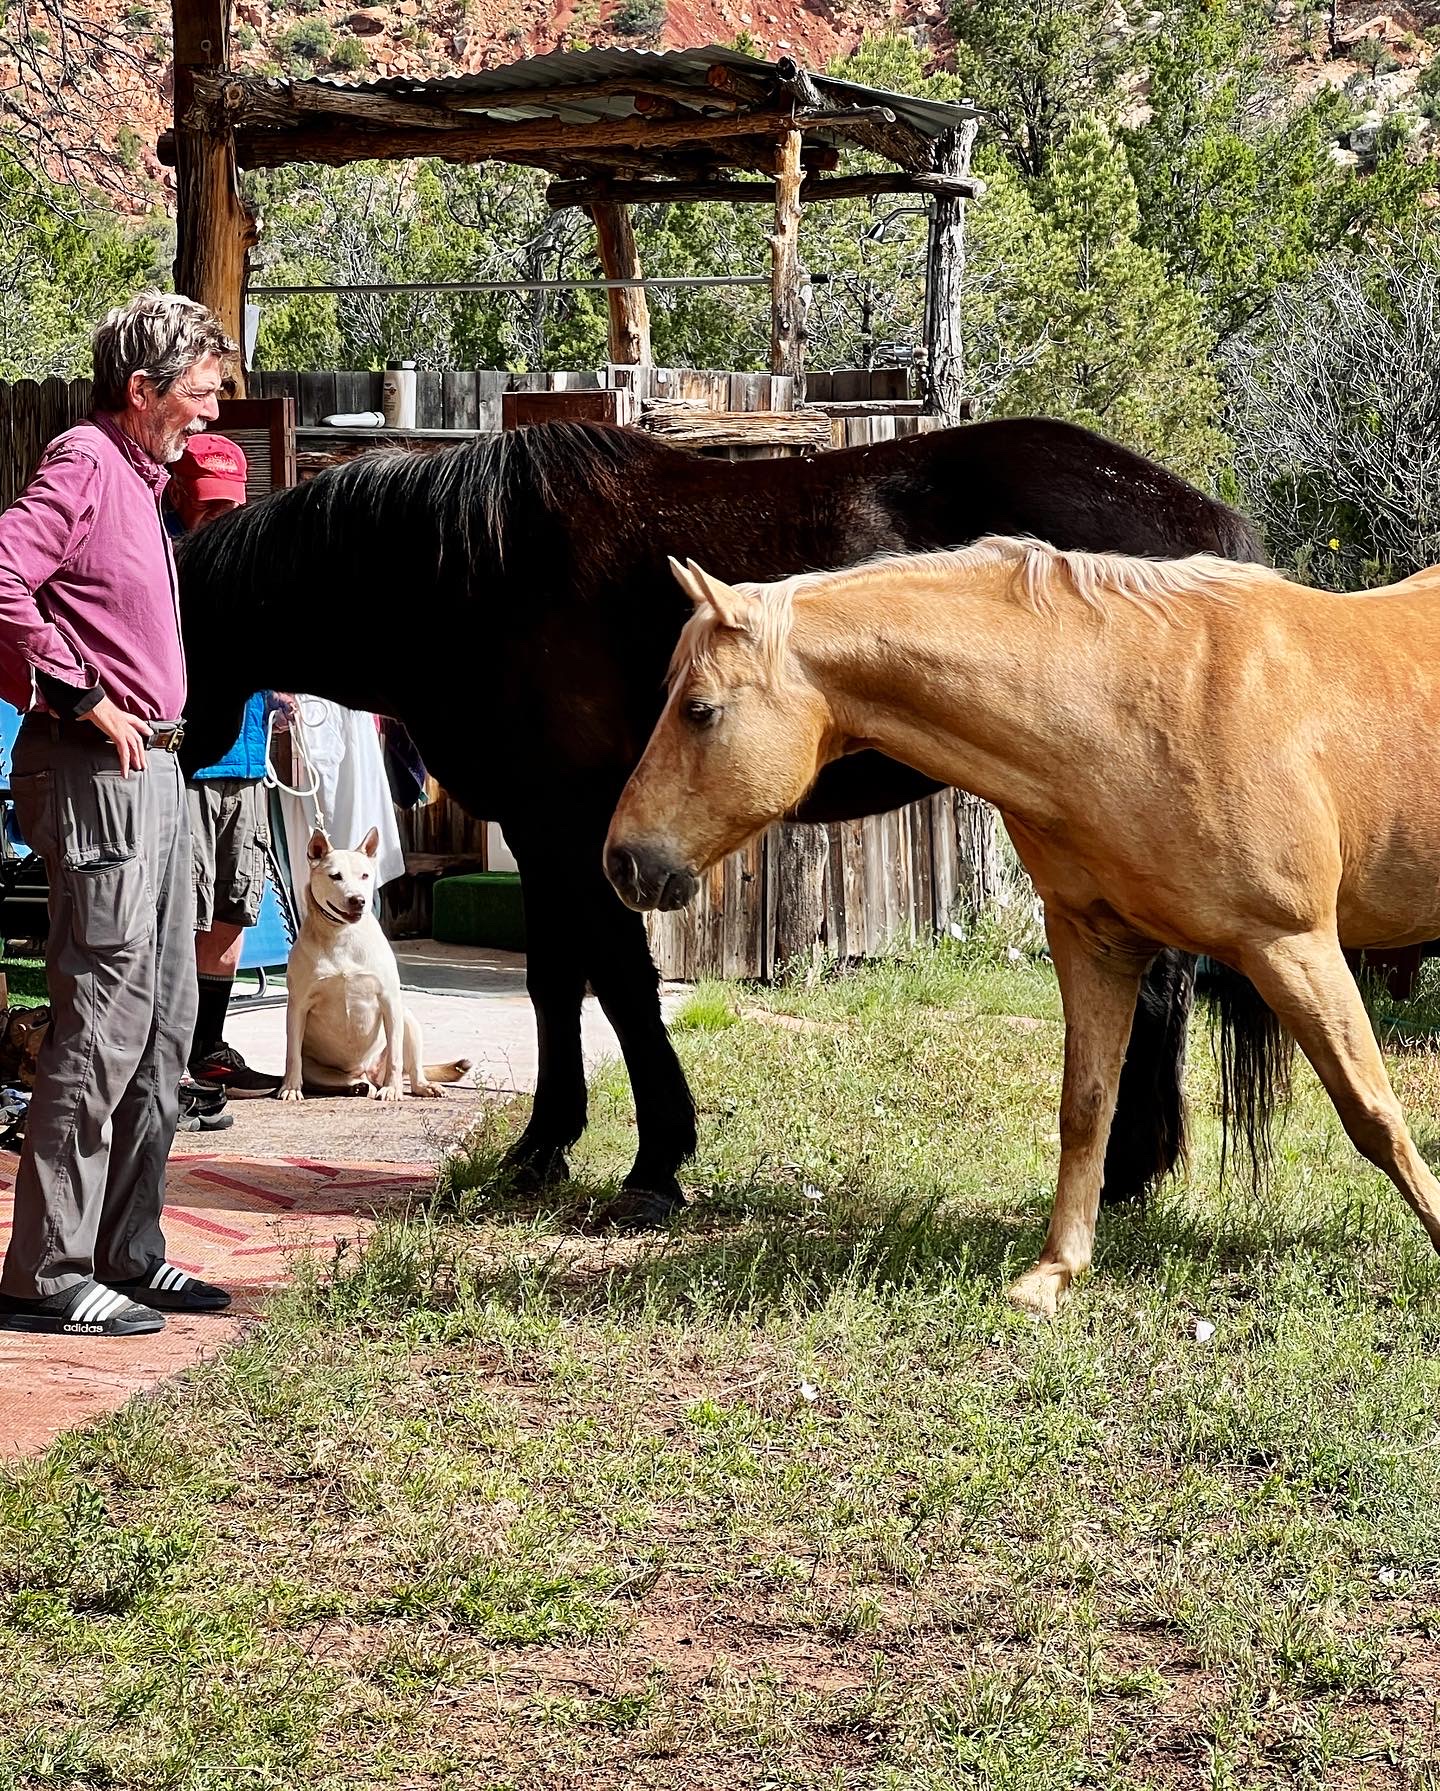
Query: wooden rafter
[(543, 141), (561, 193)]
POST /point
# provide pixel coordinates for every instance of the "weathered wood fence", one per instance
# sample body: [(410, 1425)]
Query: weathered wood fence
[(849, 890), (31, 414), (859, 405)]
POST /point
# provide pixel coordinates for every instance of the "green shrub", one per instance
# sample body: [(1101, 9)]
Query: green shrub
[(639, 18), (349, 56), (307, 41)]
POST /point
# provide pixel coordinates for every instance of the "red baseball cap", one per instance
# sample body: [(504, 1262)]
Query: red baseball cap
[(212, 466)]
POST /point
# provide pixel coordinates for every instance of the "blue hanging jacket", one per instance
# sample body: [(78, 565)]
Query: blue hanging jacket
[(246, 758)]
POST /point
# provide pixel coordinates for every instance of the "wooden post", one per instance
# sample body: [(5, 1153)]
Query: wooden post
[(943, 376), (797, 853), (787, 332), (629, 311), (215, 230)]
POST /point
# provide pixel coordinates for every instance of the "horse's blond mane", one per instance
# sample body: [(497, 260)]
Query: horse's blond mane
[(1041, 576), (1044, 574), (695, 649)]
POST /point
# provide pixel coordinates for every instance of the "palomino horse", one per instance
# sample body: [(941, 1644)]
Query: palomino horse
[(1187, 753)]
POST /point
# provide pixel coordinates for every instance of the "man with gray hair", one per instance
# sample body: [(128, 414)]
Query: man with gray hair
[(90, 648)]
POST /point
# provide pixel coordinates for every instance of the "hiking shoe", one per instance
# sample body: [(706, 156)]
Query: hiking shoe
[(204, 1122), (201, 1097), (202, 1109), (172, 1290), (89, 1310), (225, 1068)]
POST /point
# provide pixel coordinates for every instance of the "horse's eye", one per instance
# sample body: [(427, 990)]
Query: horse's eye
[(700, 715)]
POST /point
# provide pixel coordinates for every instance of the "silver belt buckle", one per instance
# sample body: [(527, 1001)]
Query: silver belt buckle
[(168, 739)]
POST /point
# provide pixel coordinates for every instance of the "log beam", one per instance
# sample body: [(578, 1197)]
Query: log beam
[(629, 311), (561, 193), (254, 108), (787, 334), (340, 143), (790, 81), (943, 377), (680, 420), (215, 229)]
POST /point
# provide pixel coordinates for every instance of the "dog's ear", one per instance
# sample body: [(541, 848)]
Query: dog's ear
[(319, 847), (370, 845)]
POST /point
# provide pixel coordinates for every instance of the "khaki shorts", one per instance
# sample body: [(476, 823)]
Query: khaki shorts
[(229, 831)]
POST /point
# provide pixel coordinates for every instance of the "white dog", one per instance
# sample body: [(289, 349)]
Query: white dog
[(346, 1027)]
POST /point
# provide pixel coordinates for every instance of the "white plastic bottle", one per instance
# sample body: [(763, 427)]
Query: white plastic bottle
[(397, 395)]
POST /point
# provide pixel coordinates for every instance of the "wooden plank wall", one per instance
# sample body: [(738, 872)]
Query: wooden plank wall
[(471, 400), (887, 880), (32, 413)]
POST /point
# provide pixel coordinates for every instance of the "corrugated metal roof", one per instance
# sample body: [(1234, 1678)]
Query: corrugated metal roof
[(563, 68)]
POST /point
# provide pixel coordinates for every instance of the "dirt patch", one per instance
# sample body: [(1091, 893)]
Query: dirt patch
[(345, 1128), (788, 1022)]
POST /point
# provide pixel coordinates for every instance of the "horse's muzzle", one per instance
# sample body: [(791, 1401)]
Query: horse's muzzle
[(645, 878)]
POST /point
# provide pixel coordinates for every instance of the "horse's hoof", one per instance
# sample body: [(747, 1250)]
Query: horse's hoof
[(530, 1172), (1040, 1292), (641, 1209)]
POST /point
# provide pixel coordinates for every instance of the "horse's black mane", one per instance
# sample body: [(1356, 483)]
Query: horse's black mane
[(460, 501)]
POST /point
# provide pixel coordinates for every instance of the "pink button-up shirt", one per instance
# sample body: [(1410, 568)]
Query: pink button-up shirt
[(87, 579)]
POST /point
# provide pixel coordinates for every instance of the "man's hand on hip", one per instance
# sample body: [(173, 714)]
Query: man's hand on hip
[(128, 734)]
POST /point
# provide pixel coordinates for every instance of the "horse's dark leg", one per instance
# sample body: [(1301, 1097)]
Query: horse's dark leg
[(1147, 1134), (555, 979), (627, 985)]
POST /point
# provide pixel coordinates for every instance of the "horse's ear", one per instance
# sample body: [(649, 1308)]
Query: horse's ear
[(688, 583), (319, 847), (370, 845), (707, 592)]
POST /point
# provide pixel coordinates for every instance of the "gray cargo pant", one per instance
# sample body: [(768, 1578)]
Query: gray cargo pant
[(121, 968)]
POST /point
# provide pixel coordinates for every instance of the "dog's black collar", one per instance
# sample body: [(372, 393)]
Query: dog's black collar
[(339, 919)]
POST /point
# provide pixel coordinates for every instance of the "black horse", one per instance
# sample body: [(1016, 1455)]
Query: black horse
[(509, 600)]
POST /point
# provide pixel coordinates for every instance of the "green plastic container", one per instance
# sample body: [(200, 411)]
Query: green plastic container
[(483, 908)]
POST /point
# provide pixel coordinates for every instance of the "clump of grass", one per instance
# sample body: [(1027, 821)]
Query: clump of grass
[(709, 1007)]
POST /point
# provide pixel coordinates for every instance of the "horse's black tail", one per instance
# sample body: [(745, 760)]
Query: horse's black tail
[(1255, 1053), (1147, 1134)]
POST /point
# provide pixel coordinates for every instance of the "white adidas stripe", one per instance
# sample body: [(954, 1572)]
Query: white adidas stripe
[(169, 1279), (98, 1305)]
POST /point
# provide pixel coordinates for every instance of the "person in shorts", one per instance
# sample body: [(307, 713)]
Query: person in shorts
[(229, 810)]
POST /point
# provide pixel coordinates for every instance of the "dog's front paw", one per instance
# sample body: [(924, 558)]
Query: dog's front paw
[(287, 1092), (388, 1091), (427, 1091)]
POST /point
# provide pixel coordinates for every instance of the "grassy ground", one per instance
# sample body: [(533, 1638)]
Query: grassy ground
[(789, 1497), (25, 980)]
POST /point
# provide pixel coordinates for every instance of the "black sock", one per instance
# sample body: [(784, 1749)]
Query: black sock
[(210, 1019)]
